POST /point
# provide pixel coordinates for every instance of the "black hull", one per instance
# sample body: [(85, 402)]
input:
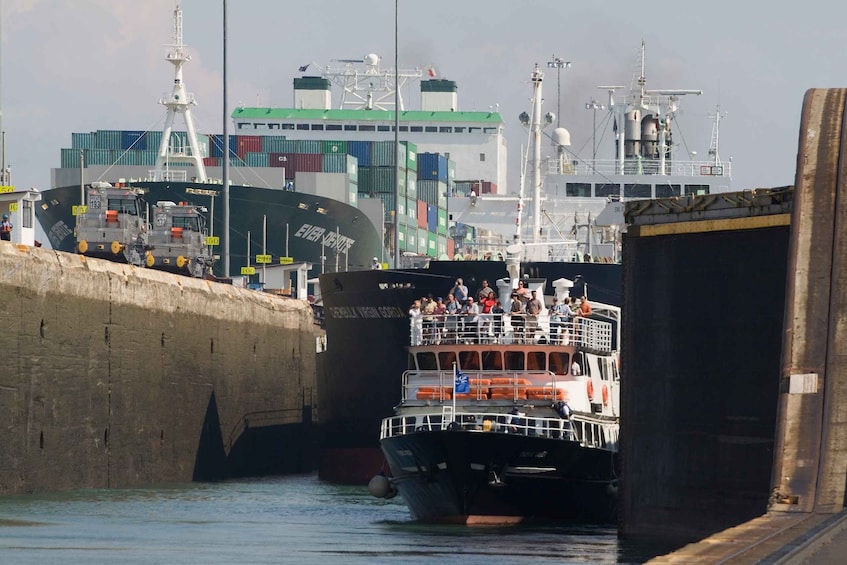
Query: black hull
[(288, 214), (367, 326), (486, 477)]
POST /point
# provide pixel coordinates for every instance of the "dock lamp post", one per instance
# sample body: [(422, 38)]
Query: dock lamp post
[(558, 63), (594, 105)]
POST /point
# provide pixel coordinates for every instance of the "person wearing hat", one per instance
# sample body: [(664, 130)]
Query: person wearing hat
[(6, 228), (375, 264)]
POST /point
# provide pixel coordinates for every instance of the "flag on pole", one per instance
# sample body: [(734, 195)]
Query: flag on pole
[(432, 72), (460, 382), (304, 67)]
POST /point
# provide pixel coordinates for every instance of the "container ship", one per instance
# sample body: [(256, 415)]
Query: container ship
[(312, 183)]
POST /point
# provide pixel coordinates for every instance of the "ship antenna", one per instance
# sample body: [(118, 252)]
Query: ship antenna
[(178, 102)]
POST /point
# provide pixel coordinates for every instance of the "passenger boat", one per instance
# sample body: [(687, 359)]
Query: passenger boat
[(500, 423)]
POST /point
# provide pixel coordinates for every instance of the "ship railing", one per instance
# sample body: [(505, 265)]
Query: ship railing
[(587, 430), (506, 329), (610, 167)]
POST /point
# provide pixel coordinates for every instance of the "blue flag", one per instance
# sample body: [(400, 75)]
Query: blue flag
[(462, 386)]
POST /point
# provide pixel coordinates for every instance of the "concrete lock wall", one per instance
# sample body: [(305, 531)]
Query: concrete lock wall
[(116, 376)]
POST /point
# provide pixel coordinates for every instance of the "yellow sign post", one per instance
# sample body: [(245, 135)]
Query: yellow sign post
[(248, 270), (263, 259), (212, 240), (286, 260)]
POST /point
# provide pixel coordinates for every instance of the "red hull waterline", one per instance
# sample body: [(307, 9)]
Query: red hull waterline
[(350, 466)]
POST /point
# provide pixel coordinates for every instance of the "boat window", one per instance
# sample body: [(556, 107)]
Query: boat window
[(445, 129), (636, 190), (416, 129), (489, 130), (431, 129), (492, 361), (578, 189), (317, 127), (536, 361), (559, 363), (696, 189), (404, 128), (607, 189), (349, 127), (384, 128), (514, 361), (469, 360), (426, 361), (287, 126), (459, 129), (667, 190), (273, 126), (333, 127), (472, 129), (446, 360), (367, 128), (302, 126)]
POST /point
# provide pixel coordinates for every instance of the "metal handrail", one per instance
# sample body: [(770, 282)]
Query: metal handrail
[(509, 329), (586, 430)]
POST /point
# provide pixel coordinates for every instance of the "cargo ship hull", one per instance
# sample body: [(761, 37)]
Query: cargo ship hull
[(328, 233)]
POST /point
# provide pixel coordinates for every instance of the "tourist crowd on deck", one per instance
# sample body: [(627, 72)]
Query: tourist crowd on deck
[(482, 318)]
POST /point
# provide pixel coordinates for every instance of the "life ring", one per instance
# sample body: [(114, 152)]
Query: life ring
[(590, 389), (605, 395)]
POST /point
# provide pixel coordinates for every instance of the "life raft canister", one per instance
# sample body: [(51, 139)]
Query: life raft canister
[(590, 388), (605, 395)]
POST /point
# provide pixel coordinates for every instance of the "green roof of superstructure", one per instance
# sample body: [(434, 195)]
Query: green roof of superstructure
[(366, 115)]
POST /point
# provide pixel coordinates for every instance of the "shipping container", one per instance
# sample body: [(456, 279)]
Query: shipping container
[(212, 161), (382, 154), (380, 180), (401, 209), (148, 158), (442, 247), (107, 139), (422, 210), (412, 211), (333, 147), (431, 218), (401, 236), (284, 161), (82, 140), (248, 144), (411, 155), (432, 192), (153, 139), (432, 166), (256, 159), (442, 222), (361, 150), (412, 239), (99, 156), (309, 146), (451, 170), (432, 245), (131, 139), (278, 144), (423, 240), (70, 159), (308, 162), (352, 169), (451, 248), (412, 184), (388, 206), (129, 158)]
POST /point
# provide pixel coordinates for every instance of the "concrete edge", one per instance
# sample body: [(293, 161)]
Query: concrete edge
[(805, 546)]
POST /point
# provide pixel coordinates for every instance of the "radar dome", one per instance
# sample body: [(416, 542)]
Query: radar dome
[(561, 137), (371, 59)]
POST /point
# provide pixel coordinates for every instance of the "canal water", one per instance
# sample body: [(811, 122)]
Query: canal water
[(293, 519)]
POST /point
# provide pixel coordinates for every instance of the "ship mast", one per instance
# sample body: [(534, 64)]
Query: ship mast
[(716, 129), (178, 102), (365, 85), (537, 77)]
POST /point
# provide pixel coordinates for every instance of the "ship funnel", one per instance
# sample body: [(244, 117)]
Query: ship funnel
[(439, 95)]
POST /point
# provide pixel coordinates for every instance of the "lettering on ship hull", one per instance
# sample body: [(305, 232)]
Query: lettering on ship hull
[(330, 239)]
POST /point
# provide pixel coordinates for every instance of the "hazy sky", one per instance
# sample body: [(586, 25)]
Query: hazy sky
[(81, 65)]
